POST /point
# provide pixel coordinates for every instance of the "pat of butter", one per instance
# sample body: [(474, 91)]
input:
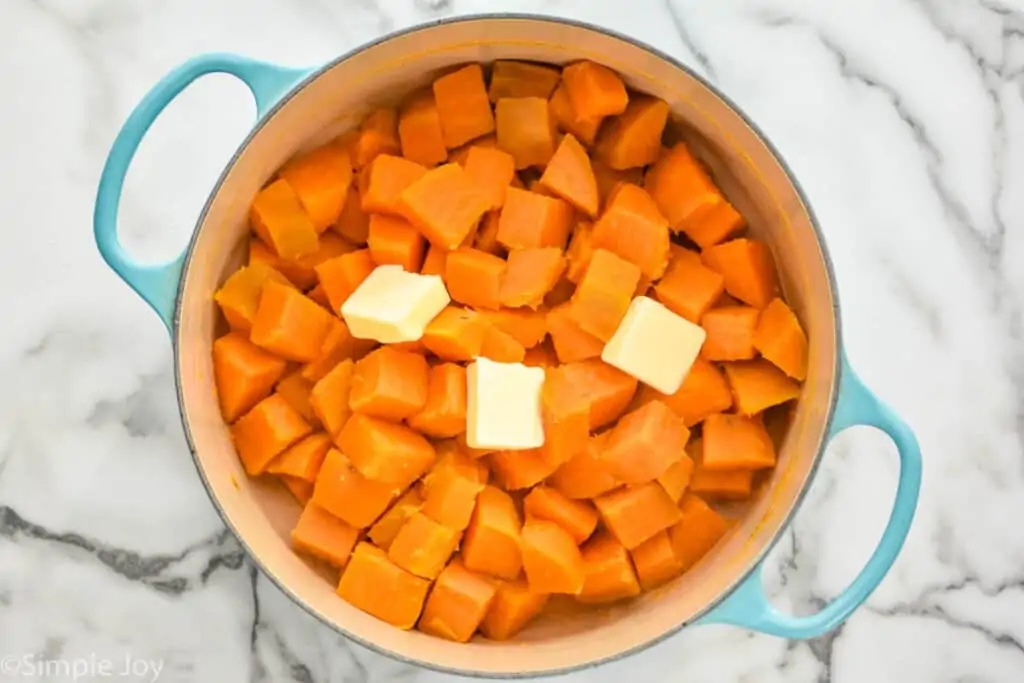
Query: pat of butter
[(654, 345), (503, 405), (393, 306)]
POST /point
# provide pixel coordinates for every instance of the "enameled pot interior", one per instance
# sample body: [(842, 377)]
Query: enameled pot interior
[(262, 514)]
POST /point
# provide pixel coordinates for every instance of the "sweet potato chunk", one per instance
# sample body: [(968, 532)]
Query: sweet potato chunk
[(511, 78), (585, 475), (730, 333), (747, 269), (302, 460), (493, 170), (385, 452), (278, 218), (632, 228), (531, 220), (697, 531), (347, 495), (389, 384), (633, 139), (570, 176), (445, 204), (419, 131), (551, 560), (463, 106), (608, 389), (530, 275), (322, 535), (576, 517), (330, 397), (513, 606), (320, 179), (244, 374), (394, 241), (491, 543), (603, 295), (444, 413), (645, 443), (655, 561), (608, 570), (457, 604), (374, 584), (456, 334), (525, 130), (780, 338), (735, 442), (594, 90), (474, 277), (289, 324), (266, 430), (423, 546), (340, 276), (634, 514), (689, 288), (239, 296), (757, 385), (378, 134)]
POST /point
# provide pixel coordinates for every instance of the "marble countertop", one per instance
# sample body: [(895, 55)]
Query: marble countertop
[(903, 118)]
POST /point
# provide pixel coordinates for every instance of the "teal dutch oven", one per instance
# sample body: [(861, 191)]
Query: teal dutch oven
[(297, 108)]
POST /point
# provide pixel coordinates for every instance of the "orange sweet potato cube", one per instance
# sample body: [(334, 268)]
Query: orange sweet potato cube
[(736, 442), (385, 529), (517, 470), (423, 546), (603, 295), (289, 324), (329, 398), (697, 531), (384, 181), (526, 130), (577, 517), (645, 443), (531, 220), (530, 275), (378, 134), (322, 535), (570, 341), (389, 384), (347, 495), (780, 338), (634, 514), (419, 131), (463, 106), (491, 543), (444, 413), (757, 385), (278, 218), (594, 90), (512, 608), (747, 269), (565, 412), (585, 475), (474, 277), (510, 78), (681, 187), (445, 204), (689, 288), (456, 334), (374, 584), (632, 228), (244, 374), (302, 460), (385, 452), (394, 241), (633, 139), (340, 276), (457, 604), (493, 170), (551, 559), (608, 572), (655, 561), (265, 431), (239, 296), (320, 178)]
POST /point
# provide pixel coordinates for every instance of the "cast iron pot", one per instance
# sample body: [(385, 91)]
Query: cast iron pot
[(297, 108)]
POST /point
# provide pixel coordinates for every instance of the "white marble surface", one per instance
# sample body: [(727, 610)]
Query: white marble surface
[(903, 118)]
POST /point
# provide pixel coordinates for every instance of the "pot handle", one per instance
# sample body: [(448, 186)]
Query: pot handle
[(748, 606), (157, 283)]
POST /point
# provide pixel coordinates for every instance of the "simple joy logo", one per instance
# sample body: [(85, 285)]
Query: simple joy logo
[(91, 668)]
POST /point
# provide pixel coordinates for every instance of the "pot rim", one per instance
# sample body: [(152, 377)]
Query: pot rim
[(787, 518)]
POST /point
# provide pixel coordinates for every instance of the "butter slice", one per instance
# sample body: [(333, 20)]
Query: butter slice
[(503, 405), (654, 345), (393, 306)]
